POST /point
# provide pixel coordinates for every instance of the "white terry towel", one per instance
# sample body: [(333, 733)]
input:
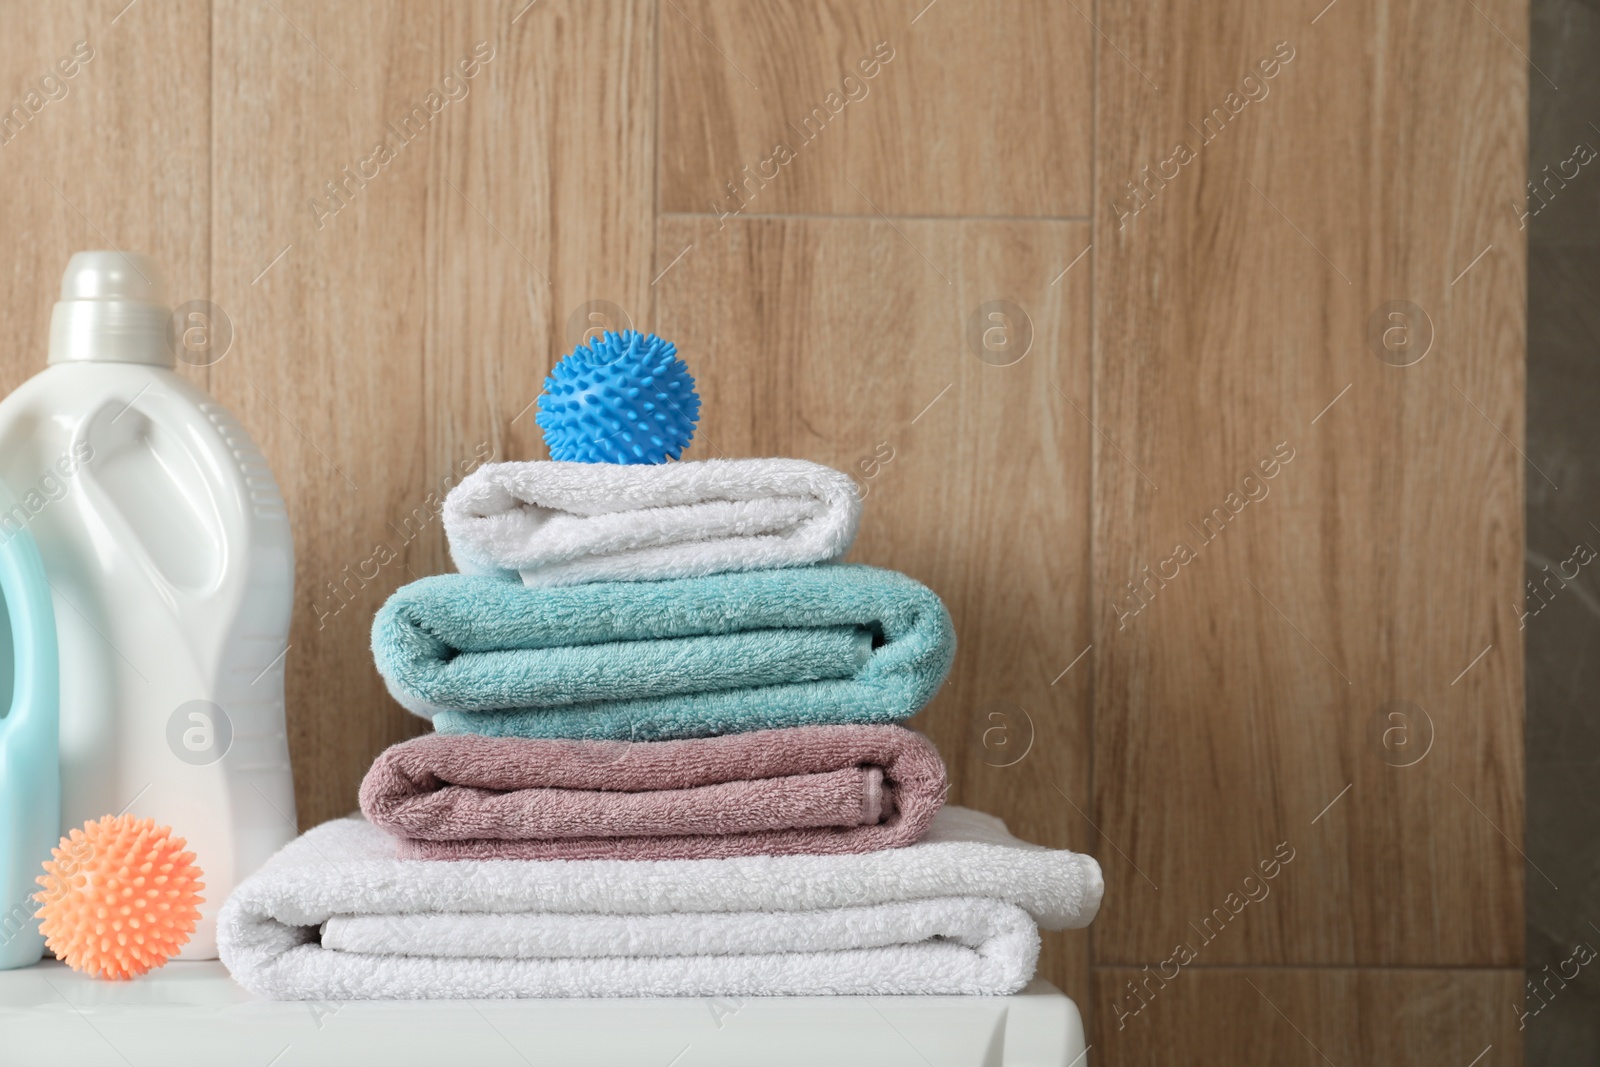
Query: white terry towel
[(560, 523), (334, 916)]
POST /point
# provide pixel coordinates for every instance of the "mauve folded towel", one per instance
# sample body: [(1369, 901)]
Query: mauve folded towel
[(811, 789), (649, 661)]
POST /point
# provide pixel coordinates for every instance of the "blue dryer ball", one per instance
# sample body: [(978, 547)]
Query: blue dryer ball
[(622, 398)]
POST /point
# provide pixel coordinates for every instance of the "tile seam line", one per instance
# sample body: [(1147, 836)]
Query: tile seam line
[(1428, 968), (816, 216), (1092, 681)]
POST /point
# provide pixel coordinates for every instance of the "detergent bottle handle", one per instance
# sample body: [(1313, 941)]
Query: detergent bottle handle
[(33, 702), (169, 474)]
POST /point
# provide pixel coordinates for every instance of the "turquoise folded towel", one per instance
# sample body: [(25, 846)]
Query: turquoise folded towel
[(685, 657)]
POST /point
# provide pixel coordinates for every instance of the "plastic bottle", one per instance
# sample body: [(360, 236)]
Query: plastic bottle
[(167, 548), (30, 781)]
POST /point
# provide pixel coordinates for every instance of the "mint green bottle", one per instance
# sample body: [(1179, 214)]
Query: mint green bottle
[(30, 769)]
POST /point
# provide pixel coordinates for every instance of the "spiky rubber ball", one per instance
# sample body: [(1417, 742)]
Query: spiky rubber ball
[(624, 397), (120, 897)]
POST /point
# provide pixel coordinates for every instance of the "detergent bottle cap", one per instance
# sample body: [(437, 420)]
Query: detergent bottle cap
[(113, 309)]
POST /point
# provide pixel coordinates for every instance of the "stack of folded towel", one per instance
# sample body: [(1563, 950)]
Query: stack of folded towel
[(666, 761)]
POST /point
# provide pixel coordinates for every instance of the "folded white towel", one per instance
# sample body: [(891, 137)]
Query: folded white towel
[(973, 922), (567, 523), (334, 916)]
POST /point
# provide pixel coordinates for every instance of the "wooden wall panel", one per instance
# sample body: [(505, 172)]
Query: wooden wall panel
[(844, 342), (1241, 307), (1234, 306), (1308, 1017), (78, 153), (389, 337), (978, 109)]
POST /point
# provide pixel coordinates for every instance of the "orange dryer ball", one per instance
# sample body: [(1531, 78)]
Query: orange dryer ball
[(120, 897)]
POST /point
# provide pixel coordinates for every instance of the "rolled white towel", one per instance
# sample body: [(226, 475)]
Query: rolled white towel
[(558, 523)]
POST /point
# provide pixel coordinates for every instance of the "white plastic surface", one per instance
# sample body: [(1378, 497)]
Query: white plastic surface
[(113, 306), (193, 1013), (168, 551)]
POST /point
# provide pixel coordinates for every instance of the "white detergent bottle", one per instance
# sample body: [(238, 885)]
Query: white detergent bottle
[(167, 548)]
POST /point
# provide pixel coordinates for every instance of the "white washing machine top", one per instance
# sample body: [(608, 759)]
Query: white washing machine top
[(193, 1013)]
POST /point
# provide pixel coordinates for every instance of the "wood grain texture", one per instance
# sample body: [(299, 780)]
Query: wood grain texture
[(420, 302), (977, 109), (1311, 1017), (394, 319), (78, 154), (845, 342), (1251, 687)]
